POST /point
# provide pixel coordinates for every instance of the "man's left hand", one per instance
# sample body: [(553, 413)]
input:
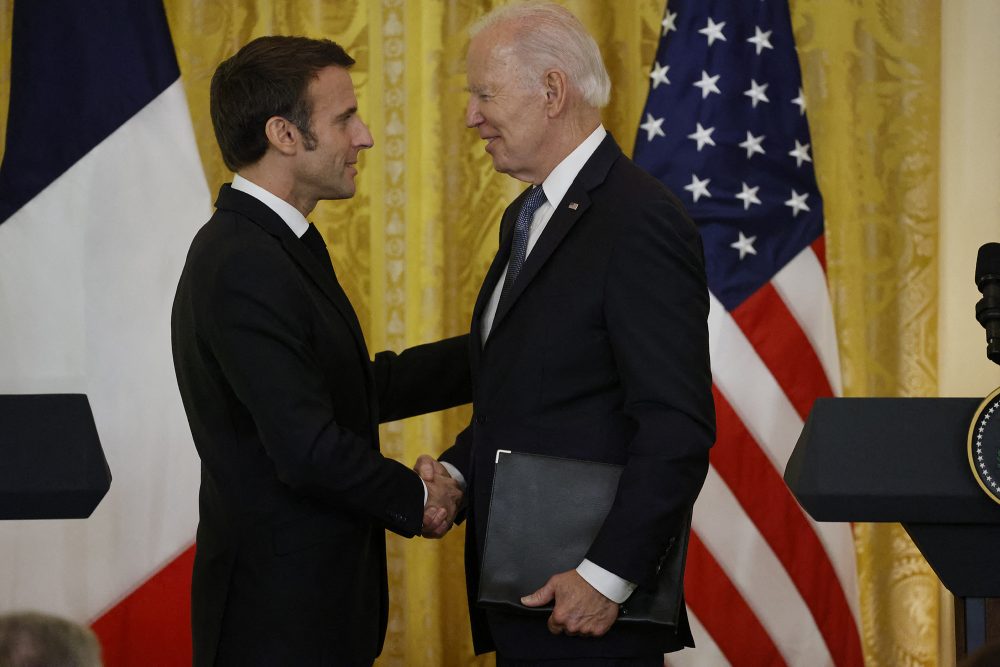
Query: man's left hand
[(580, 610)]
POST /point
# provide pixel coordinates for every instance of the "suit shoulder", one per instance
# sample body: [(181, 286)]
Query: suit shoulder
[(634, 197), (231, 254), (625, 176), (230, 241)]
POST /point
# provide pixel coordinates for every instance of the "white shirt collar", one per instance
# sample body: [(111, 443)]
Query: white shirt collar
[(565, 173), (291, 215)]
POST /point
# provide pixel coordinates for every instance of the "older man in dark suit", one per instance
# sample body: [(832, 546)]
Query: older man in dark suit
[(281, 395), (589, 339)]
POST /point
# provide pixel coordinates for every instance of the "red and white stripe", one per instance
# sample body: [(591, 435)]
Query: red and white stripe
[(765, 584)]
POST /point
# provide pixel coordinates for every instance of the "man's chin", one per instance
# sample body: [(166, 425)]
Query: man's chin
[(340, 193), (345, 190), (500, 166)]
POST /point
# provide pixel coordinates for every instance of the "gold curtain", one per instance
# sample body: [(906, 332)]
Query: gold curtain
[(871, 75), (413, 245)]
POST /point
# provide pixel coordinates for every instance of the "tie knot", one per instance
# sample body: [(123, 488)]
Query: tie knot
[(314, 239), (317, 246), (535, 198)]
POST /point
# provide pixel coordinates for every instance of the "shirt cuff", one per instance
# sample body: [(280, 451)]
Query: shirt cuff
[(425, 490), (607, 584), (455, 474)]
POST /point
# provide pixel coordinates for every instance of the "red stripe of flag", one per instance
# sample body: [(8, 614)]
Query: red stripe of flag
[(752, 478), (152, 625), (783, 347), (819, 247), (726, 616)]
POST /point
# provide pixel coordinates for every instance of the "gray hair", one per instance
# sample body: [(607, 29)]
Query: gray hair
[(39, 640), (550, 36)]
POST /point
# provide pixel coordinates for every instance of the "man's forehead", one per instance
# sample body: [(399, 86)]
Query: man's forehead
[(505, 36), (333, 85), (492, 55), (332, 75)]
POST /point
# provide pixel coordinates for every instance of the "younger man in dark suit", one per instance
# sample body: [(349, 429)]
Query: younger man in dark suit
[(281, 395)]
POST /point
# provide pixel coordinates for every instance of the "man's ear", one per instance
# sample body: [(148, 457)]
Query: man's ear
[(282, 134), (556, 91)]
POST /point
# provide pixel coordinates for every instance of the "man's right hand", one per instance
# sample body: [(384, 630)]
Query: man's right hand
[(444, 496)]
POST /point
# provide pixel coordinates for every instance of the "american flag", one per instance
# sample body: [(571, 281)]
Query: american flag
[(725, 128)]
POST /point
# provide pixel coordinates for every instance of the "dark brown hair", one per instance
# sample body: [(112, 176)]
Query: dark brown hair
[(268, 77)]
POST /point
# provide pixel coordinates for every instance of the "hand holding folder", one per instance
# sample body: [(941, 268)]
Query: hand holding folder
[(544, 514)]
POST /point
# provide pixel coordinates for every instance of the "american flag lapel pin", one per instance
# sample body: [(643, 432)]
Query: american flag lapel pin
[(573, 206)]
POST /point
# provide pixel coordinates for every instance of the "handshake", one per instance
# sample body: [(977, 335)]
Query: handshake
[(444, 497)]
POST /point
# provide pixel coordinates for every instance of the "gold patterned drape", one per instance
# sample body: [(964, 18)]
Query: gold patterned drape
[(871, 73), (413, 245)]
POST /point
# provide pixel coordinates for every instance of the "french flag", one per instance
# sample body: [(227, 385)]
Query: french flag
[(101, 191)]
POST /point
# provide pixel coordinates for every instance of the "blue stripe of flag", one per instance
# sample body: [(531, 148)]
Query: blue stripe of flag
[(729, 48), (76, 76)]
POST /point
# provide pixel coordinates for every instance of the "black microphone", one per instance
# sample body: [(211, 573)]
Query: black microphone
[(988, 308)]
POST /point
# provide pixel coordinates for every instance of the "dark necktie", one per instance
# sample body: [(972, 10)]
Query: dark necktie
[(314, 241), (519, 247)]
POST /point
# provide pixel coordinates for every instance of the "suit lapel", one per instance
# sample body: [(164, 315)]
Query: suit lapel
[(574, 204), (493, 275), (562, 220), (496, 270), (272, 223)]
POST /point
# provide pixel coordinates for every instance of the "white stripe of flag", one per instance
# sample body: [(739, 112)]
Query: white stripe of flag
[(88, 270)]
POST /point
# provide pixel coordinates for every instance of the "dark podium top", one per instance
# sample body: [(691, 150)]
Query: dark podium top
[(51, 462), (903, 460)]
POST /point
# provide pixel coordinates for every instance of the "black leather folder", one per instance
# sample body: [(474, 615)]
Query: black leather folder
[(544, 514)]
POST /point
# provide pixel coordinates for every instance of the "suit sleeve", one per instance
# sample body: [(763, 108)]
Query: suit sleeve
[(460, 453), (460, 456), (656, 310), (258, 325), (422, 379)]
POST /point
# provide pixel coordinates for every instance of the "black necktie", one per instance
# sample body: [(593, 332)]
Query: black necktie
[(519, 247), (314, 241)]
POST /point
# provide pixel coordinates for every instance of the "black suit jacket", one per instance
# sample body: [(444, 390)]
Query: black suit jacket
[(284, 404), (600, 354)]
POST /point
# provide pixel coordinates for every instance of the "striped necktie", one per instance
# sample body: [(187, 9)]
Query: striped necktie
[(519, 247)]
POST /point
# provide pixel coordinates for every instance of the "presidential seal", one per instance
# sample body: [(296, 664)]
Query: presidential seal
[(984, 446)]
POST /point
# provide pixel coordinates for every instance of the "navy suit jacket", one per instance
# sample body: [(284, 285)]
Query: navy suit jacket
[(284, 404), (600, 354)]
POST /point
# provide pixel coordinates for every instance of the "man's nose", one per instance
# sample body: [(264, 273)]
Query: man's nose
[(364, 138), (472, 115)]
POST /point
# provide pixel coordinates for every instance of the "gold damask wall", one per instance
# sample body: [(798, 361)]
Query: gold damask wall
[(871, 73), (413, 245)]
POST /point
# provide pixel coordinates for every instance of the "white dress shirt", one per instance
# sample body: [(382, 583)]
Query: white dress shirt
[(555, 186), (292, 216)]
